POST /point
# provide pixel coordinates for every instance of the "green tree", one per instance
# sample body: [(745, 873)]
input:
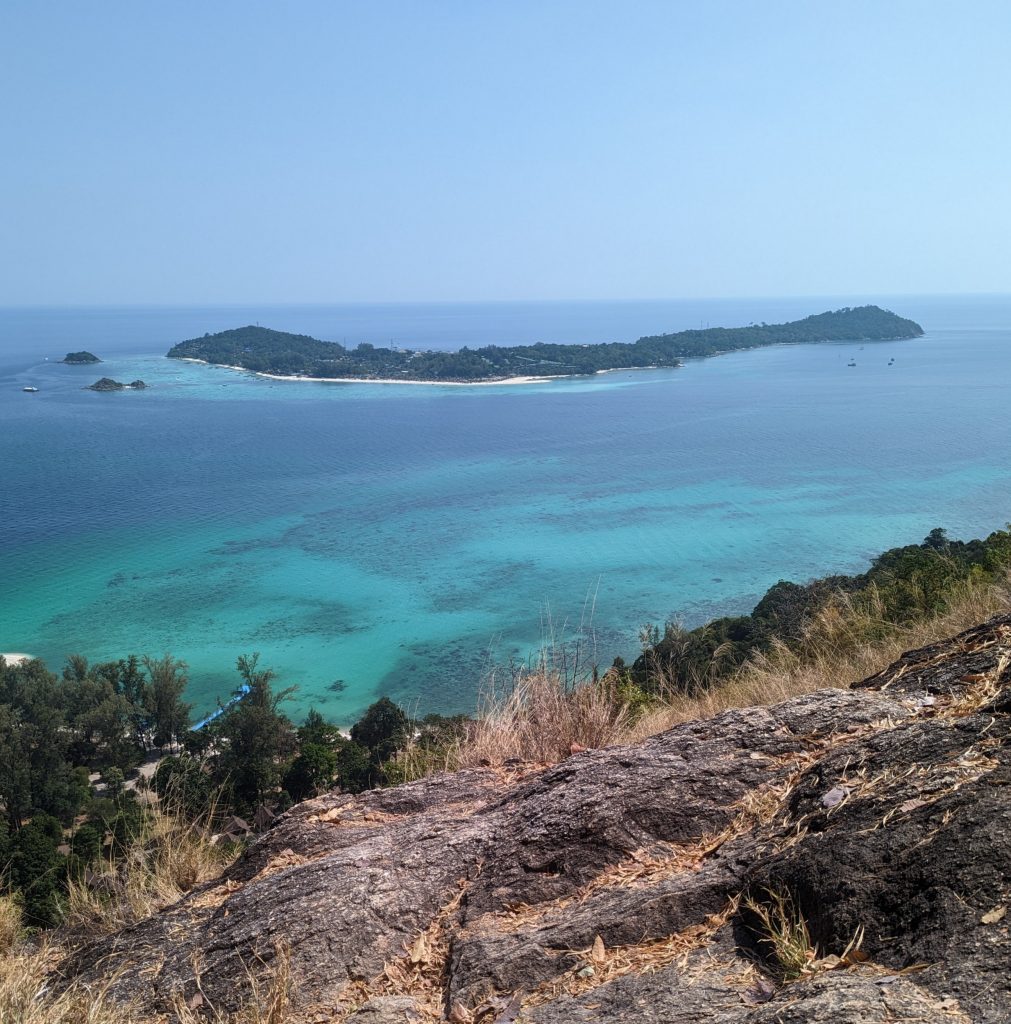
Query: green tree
[(255, 737), (184, 783), (316, 729), (311, 772), (35, 772), (37, 870), (114, 781), (86, 843), (383, 729), (354, 767), (169, 714)]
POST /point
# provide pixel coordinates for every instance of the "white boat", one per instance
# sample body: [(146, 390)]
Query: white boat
[(29, 388)]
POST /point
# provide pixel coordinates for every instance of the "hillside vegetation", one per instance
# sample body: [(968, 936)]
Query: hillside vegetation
[(267, 351)]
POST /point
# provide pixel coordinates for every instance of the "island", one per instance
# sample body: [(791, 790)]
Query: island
[(80, 357), (277, 353), (108, 384)]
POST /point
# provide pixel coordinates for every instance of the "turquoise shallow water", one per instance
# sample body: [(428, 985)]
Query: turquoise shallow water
[(400, 539)]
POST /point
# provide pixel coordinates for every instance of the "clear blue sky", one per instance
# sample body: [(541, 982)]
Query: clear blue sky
[(334, 151)]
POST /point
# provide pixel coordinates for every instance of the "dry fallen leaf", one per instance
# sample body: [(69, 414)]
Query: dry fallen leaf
[(995, 915), (419, 950), (597, 953), (459, 1014), (911, 805)]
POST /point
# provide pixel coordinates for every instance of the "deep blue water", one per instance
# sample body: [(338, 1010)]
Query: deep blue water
[(394, 539)]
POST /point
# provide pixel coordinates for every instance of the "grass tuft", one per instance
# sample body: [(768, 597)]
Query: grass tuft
[(269, 1002), (169, 857), (784, 932), (541, 717), (12, 929), (28, 997)]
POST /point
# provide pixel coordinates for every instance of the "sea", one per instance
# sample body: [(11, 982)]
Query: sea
[(422, 542)]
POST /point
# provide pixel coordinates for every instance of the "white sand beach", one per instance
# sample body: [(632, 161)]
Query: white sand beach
[(14, 658), (379, 380)]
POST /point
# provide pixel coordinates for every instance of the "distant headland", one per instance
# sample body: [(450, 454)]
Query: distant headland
[(297, 356), (80, 357)]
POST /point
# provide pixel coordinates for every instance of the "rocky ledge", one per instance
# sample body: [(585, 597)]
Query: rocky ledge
[(843, 856)]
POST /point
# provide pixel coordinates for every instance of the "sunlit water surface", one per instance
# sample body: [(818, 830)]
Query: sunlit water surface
[(372, 539)]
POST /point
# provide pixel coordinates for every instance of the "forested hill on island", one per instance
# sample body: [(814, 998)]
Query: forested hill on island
[(267, 351)]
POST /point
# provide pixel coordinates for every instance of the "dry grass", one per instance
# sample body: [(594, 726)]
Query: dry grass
[(415, 761), (169, 858), (269, 1002), (11, 925), (844, 643), (599, 964), (783, 929), (540, 718), (27, 995), (543, 717)]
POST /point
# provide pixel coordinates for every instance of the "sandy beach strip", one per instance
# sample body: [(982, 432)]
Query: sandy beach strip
[(14, 658), (382, 380)]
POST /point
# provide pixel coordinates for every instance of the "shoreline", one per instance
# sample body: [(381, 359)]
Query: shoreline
[(15, 657), (385, 380)]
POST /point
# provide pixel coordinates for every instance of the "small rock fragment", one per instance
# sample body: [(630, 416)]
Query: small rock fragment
[(835, 796), (995, 915)]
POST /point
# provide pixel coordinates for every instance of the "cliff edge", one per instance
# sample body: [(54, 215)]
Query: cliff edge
[(843, 856)]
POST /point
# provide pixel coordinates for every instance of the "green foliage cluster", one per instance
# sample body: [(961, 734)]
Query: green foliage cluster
[(59, 732), (54, 732), (267, 351), (905, 584), (253, 755)]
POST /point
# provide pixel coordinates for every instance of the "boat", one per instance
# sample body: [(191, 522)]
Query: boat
[(29, 388), (852, 362)]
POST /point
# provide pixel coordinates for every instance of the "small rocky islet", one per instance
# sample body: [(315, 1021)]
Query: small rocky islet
[(108, 384)]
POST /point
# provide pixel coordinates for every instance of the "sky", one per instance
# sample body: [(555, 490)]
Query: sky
[(329, 151)]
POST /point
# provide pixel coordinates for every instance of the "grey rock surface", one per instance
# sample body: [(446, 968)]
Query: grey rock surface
[(626, 884)]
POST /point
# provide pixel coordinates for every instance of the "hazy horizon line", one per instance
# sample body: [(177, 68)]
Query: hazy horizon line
[(485, 302)]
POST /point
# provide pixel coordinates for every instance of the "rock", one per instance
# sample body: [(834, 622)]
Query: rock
[(108, 384), (628, 883), (664, 998), (389, 1010)]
